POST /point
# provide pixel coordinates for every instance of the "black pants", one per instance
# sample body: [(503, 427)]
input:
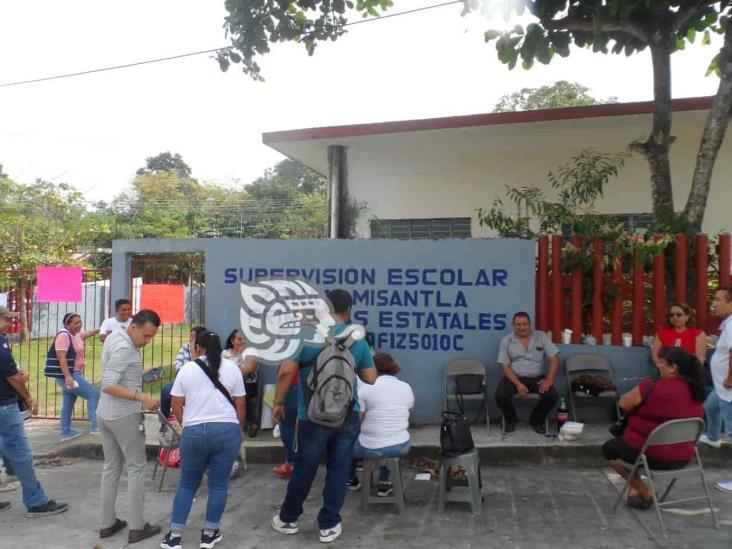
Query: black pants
[(617, 448), (507, 390), (252, 390)]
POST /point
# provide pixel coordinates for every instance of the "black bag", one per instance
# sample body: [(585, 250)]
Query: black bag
[(617, 428), (469, 384), (455, 437)]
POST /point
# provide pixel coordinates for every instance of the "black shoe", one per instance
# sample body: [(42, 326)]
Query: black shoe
[(171, 542), (353, 484), (510, 426), (539, 428), (384, 489), (4, 505), (207, 542), (359, 464), (48, 508)]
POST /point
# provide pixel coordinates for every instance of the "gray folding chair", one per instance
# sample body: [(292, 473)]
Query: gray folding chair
[(671, 432), (466, 366), (169, 440), (587, 363)]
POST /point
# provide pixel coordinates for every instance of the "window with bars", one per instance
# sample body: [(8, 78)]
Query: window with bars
[(415, 229)]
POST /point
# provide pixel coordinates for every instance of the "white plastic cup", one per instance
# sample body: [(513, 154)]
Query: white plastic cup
[(627, 340), (567, 336)]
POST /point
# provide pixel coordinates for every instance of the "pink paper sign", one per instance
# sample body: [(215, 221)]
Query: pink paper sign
[(59, 284)]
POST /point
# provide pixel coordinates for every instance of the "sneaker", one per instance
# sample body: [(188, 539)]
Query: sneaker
[(8, 486), (4, 505), (284, 470), (72, 435), (48, 508), (353, 484), (359, 464), (235, 468), (704, 439), (172, 542), (331, 534), (208, 541), (725, 486), (384, 489), (287, 528)]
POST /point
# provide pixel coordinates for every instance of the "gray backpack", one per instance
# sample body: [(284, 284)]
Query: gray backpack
[(330, 386)]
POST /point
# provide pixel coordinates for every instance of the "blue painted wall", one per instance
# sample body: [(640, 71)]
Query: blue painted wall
[(465, 292)]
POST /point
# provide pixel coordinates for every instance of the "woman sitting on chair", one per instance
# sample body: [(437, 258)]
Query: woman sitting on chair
[(678, 394), (385, 407)]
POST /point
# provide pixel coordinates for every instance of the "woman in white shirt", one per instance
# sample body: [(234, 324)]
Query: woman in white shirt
[(208, 400), (385, 407), (233, 348)]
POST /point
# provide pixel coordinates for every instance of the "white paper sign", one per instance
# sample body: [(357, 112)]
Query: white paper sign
[(3, 300)]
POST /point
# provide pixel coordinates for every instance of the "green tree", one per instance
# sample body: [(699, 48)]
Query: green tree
[(43, 224), (607, 26), (166, 162), (560, 94)]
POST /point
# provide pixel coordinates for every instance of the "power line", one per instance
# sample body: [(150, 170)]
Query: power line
[(202, 52)]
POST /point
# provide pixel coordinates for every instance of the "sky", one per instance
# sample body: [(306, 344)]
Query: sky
[(95, 131)]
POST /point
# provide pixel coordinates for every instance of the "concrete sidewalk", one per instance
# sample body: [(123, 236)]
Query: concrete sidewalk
[(523, 446), (525, 508)]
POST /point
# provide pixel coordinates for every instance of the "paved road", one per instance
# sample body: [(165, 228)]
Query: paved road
[(525, 507)]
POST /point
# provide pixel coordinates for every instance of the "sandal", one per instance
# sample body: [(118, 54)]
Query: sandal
[(637, 502)]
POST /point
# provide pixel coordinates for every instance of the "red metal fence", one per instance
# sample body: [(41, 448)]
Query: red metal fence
[(625, 300)]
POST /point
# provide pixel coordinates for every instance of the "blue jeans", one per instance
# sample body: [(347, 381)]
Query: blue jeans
[(397, 450), (212, 446), (312, 442), (717, 410), (85, 390), (15, 448), (166, 400), (287, 425), (8, 468)]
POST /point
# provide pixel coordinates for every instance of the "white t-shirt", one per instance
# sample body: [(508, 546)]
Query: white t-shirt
[(112, 324), (386, 404), (204, 402), (720, 360)]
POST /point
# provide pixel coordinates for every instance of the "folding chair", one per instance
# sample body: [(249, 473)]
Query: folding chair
[(169, 440), (532, 397), (587, 363), (671, 432), (466, 366)]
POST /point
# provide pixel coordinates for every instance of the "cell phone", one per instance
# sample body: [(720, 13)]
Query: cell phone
[(153, 375)]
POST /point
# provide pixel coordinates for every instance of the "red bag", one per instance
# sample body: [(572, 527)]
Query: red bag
[(173, 460)]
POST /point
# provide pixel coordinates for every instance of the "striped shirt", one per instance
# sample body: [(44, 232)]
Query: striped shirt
[(121, 365)]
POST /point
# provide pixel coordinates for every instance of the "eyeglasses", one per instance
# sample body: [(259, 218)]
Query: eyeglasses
[(676, 315)]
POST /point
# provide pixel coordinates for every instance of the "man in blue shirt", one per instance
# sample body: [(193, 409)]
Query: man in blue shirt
[(14, 444), (314, 440)]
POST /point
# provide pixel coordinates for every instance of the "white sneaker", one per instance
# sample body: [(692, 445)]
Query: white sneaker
[(331, 534), (9, 486), (287, 528), (704, 439), (725, 486)]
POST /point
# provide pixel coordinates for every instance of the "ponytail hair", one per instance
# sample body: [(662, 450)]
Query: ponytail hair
[(210, 342), (690, 370)]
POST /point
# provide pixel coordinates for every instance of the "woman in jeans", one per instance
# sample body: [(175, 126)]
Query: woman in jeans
[(212, 419), (679, 394), (385, 407), (69, 346)]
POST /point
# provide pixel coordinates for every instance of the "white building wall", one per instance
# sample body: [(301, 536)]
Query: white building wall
[(452, 173)]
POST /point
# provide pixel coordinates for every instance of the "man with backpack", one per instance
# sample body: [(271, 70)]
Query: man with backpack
[(327, 418)]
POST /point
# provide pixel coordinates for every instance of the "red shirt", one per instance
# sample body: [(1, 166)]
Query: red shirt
[(669, 337), (669, 399)]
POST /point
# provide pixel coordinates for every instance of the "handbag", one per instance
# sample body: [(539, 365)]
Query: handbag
[(617, 428), (455, 437), (469, 384)]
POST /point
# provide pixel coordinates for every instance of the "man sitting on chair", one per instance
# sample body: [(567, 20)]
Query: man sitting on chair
[(521, 357)]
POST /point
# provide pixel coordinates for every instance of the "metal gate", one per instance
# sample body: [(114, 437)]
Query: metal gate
[(33, 331)]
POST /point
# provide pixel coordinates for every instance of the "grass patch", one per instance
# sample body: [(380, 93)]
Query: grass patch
[(31, 356)]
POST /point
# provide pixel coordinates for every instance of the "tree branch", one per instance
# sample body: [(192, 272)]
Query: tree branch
[(570, 24), (683, 17)]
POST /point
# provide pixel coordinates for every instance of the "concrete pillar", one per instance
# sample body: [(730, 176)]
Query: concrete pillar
[(339, 214), (121, 273)]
